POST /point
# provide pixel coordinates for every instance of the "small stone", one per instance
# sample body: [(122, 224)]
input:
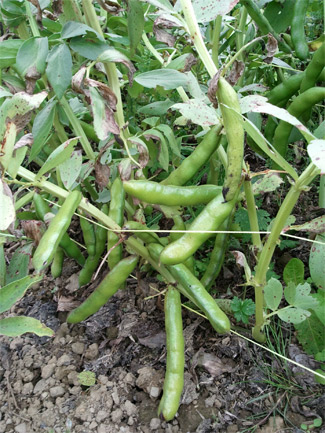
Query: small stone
[(115, 396), (117, 415), (101, 415), (40, 386), (154, 392), (130, 379), (130, 420), (57, 391), (47, 371), (104, 428), (64, 360), (78, 348), (92, 351), (93, 425), (130, 408), (102, 379), (155, 423), (109, 402), (21, 428), (27, 388)]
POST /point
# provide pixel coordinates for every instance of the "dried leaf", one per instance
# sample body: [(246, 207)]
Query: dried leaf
[(25, 140), (125, 169), (110, 6), (32, 75), (160, 34), (213, 87), (102, 173), (33, 229), (57, 7), (189, 62), (108, 94), (78, 79), (236, 72), (67, 303), (212, 364), (271, 48)]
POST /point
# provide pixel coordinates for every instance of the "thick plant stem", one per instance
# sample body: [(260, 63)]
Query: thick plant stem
[(267, 252), (110, 68), (216, 39), (59, 129), (195, 33), (241, 31), (77, 128), (252, 215), (31, 18)]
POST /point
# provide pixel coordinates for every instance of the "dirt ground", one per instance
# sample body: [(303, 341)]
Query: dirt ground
[(230, 385)]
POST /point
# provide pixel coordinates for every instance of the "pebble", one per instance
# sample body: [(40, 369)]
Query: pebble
[(154, 392), (27, 388), (155, 423), (57, 391), (92, 351), (130, 408), (40, 386), (101, 415), (21, 428), (47, 371), (117, 415), (78, 348), (64, 360)]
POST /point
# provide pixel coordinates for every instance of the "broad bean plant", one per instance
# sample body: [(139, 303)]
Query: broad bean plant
[(130, 119)]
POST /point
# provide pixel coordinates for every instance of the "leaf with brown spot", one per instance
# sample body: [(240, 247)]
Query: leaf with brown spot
[(102, 173), (143, 151), (25, 140), (78, 79), (271, 48), (236, 72), (213, 87), (110, 6), (33, 229), (125, 169), (106, 92)]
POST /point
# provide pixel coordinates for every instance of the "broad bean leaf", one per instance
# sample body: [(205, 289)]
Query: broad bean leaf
[(316, 152), (293, 315), (273, 292), (169, 134), (7, 146), (42, 125), (299, 296), (59, 155), (7, 209), (161, 4), (86, 48), (268, 183), (294, 271), (31, 57), (135, 19), (15, 290), (169, 79), (207, 10), (310, 334), (157, 108), (316, 262), (8, 52), (316, 225), (19, 263), (104, 121), (320, 308), (59, 69), (198, 112), (15, 326), (163, 156), (70, 169), (71, 29)]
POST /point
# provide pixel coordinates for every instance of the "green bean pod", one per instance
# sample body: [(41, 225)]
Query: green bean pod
[(284, 91), (314, 70), (116, 210), (56, 266), (228, 100), (180, 225), (192, 164), (210, 219), (170, 195), (263, 23), (92, 262), (88, 233), (49, 242), (196, 292), (70, 248), (106, 289), (217, 258), (174, 377), (302, 103), (298, 29)]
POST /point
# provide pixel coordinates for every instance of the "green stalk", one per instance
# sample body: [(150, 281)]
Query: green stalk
[(32, 21), (267, 252), (321, 199), (27, 198), (239, 54), (77, 128), (252, 215), (241, 31), (110, 68), (59, 128), (71, 11), (216, 39)]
